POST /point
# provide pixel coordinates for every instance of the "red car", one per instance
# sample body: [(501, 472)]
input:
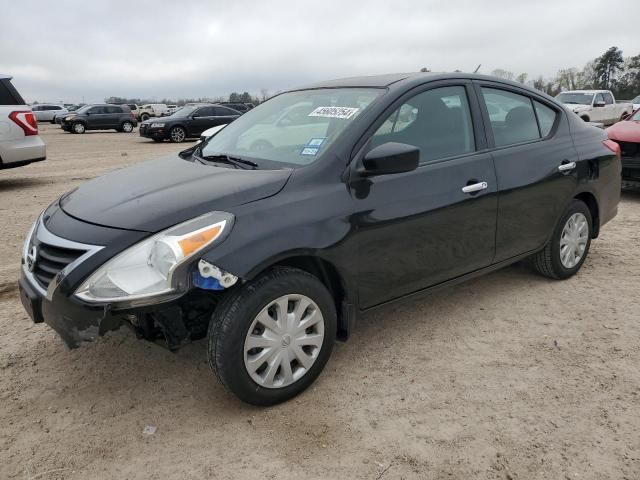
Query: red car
[(627, 134)]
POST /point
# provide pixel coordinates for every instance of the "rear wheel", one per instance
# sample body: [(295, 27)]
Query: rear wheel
[(78, 127), (126, 127), (270, 339), (569, 246), (177, 134), (145, 116)]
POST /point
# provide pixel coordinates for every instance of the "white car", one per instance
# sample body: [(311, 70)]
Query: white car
[(207, 134), (46, 112), (20, 143), (152, 110), (595, 105)]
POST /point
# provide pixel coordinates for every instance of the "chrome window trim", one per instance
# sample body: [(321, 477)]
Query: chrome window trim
[(45, 236)]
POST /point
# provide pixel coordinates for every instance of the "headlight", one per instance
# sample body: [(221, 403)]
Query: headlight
[(146, 269), (69, 117), (157, 125)]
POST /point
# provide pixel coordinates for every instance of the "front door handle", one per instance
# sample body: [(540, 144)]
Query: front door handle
[(565, 167), (475, 187)]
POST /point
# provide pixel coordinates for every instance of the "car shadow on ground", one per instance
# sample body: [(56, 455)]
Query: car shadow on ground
[(9, 184)]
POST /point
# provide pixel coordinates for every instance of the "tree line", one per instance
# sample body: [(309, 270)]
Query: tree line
[(610, 71), (244, 97)]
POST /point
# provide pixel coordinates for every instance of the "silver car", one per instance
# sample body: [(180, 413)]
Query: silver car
[(47, 112), (20, 143)]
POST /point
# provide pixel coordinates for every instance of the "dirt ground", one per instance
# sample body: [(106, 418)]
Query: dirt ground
[(509, 376)]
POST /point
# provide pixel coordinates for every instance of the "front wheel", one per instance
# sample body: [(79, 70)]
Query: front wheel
[(78, 127), (271, 338), (569, 246), (177, 134)]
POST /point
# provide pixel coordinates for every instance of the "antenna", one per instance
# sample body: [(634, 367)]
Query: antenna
[(477, 68)]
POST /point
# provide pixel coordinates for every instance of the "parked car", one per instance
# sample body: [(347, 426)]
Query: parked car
[(151, 110), (238, 106), (627, 135), (171, 109), (100, 117), (188, 122), (58, 117), (20, 143), (274, 253), (48, 112), (595, 105), (210, 132)]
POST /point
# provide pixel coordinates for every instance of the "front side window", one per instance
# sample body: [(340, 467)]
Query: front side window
[(96, 110), (293, 128), (437, 121), (516, 122)]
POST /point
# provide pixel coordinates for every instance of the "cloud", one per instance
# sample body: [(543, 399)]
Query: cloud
[(71, 49)]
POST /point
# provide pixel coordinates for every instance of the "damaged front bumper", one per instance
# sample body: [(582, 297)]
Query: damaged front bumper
[(74, 323)]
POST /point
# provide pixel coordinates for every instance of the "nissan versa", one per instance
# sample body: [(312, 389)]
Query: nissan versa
[(274, 235)]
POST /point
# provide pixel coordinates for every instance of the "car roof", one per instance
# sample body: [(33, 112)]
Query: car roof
[(584, 91), (405, 80)]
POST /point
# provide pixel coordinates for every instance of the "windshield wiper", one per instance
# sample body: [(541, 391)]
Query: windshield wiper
[(223, 157)]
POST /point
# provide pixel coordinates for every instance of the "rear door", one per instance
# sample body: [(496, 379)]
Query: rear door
[(224, 115), (113, 116), (537, 166), (420, 228)]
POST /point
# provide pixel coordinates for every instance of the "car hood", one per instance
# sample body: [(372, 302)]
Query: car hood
[(625, 131), (155, 195)]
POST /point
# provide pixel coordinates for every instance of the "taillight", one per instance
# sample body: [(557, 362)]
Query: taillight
[(26, 120), (613, 146)]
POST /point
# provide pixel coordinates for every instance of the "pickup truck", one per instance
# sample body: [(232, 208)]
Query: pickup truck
[(595, 105)]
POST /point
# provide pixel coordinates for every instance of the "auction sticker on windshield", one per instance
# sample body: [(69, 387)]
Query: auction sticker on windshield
[(334, 112)]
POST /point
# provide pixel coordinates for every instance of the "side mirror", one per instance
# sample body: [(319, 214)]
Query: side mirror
[(599, 104), (390, 158)]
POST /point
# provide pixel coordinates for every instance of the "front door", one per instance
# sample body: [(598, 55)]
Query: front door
[(420, 228)]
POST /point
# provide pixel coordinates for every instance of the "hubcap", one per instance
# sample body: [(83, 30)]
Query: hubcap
[(177, 135), (284, 341), (127, 127), (573, 240), (78, 127)]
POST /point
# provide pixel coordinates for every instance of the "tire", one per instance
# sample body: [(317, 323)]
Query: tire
[(78, 127), (144, 117), (235, 321), (177, 134), (126, 127), (549, 261)]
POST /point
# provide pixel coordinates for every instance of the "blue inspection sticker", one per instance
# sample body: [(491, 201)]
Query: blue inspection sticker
[(315, 142), (309, 151)]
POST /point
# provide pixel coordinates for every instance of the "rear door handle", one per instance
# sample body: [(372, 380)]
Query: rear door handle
[(565, 167), (475, 187)]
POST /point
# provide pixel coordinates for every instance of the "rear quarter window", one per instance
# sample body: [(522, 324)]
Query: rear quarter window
[(8, 94)]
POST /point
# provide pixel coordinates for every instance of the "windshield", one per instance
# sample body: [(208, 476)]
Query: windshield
[(576, 98), (84, 109), (182, 112), (294, 128)]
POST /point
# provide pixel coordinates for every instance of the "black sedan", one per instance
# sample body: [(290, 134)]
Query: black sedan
[(188, 122), (273, 236)]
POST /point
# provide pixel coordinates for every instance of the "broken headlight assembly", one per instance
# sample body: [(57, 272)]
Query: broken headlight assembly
[(146, 269)]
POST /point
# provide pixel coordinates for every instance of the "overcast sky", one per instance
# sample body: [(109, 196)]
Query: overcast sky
[(67, 50)]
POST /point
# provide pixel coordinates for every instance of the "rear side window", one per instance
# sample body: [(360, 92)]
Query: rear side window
[(511, 116), (546, 118), (8, 94), (437, 121), (113, 109)]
